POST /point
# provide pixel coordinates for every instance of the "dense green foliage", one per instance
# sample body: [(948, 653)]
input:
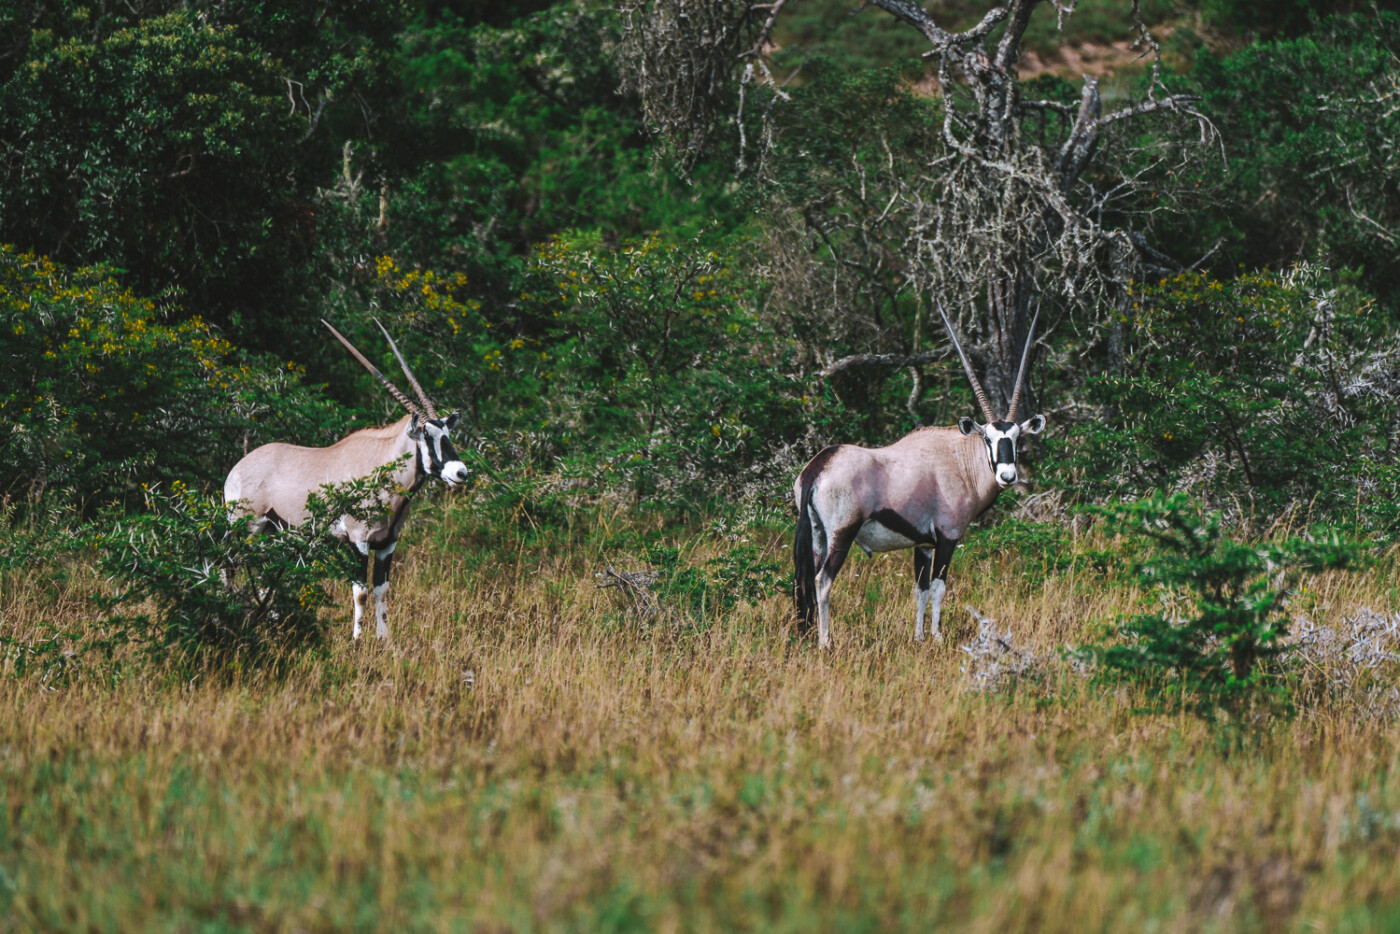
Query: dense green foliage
[(1262, 393), (519, 131), (595, 711), (219, 178), (189, 148), (261, 160), (651, 354), (101, 391), (1309, 127)]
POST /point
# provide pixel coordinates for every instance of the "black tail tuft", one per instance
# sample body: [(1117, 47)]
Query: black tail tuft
[(804, 589)]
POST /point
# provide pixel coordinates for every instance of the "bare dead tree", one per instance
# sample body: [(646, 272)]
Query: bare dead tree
[(681, 57), (1007, 203)]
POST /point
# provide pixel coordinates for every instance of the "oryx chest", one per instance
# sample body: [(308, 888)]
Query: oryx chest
[(889, 531)]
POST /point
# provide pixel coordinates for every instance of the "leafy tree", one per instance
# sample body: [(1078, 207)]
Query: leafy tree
[(517, 128), (507, 130), (1313, 172), (184, 146)]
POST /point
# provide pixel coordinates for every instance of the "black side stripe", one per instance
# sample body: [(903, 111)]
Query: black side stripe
[(901, 526)]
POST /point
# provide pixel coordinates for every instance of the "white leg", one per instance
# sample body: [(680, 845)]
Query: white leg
[(824, 611), (921, 599), (361, 595), (381, 610), (923, 573), (934, 598)]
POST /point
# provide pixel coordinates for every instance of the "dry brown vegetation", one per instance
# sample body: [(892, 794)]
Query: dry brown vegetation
[(526, 756)]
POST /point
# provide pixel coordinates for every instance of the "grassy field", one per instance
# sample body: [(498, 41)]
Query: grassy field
[(527, 755)]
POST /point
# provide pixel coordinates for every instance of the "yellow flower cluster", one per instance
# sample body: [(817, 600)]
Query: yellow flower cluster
[(420, 292), (88, 321)]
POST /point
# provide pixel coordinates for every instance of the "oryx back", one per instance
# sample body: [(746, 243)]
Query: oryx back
[(274, 481), (899, 496)]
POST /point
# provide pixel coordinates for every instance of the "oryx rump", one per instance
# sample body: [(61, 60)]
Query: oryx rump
[(921, 492), (273, 482)]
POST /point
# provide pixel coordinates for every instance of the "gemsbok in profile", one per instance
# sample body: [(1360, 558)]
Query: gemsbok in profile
[(272, 482), (921, 492)]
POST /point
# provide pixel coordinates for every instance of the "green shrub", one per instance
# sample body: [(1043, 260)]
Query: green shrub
[(655, 367), (740, 575), (193, 584), (1217, 642), (1040, 548), (160, 159)]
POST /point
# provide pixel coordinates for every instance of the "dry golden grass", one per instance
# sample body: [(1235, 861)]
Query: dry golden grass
[(524, 757)]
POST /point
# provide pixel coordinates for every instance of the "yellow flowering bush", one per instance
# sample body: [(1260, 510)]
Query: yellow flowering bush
[(102, 390)]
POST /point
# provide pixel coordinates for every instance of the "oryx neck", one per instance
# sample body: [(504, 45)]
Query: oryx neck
[(976, 472)]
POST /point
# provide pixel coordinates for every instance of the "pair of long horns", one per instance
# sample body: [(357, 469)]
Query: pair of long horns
[(393, 390), (976, 386)]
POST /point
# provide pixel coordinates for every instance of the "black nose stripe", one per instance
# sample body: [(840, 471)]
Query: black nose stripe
[(434, 458), (1006, 451)]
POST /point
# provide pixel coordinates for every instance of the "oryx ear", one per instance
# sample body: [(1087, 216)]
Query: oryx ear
[(1033, 425), (415, 427), (967, 426), (450, 422)]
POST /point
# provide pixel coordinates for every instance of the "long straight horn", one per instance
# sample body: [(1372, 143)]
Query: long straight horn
[(427, 403), (393, 390), (1021, 376), (967, 365)]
